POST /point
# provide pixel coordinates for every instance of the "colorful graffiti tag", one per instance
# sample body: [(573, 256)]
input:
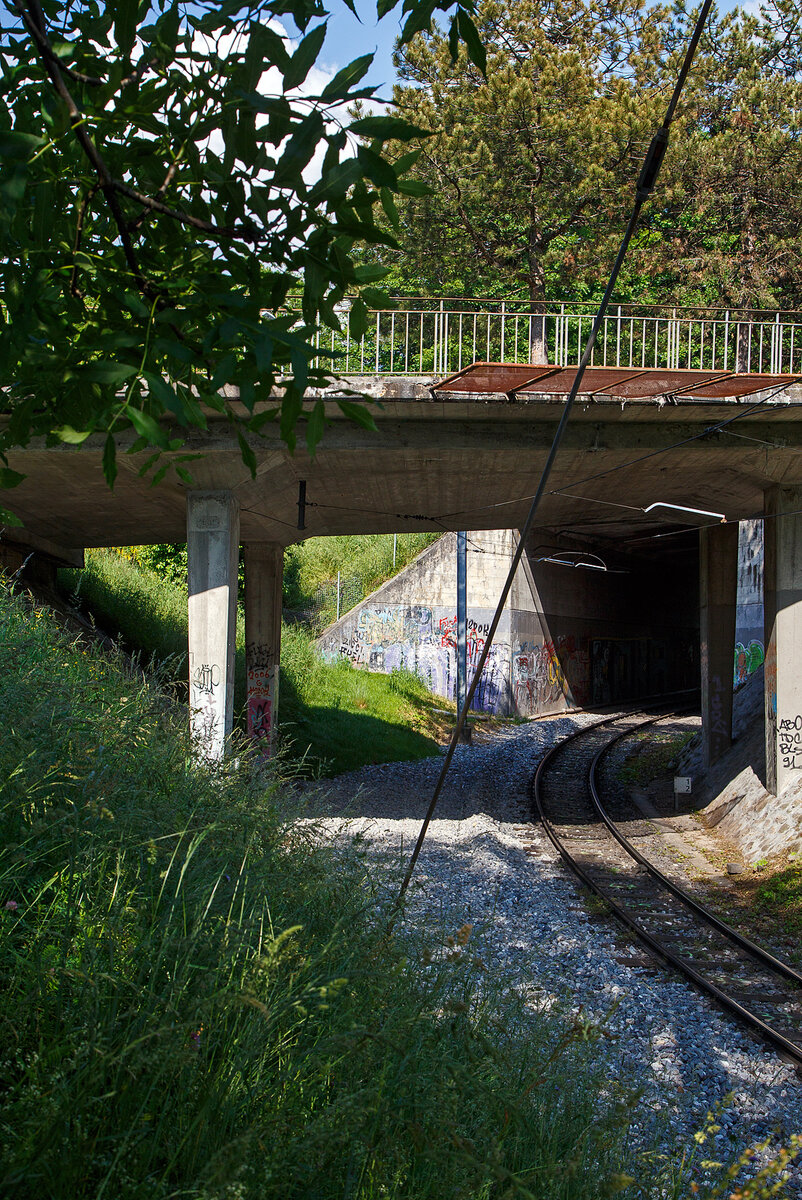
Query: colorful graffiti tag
[(548, 673), (747, 660), (413, 638)]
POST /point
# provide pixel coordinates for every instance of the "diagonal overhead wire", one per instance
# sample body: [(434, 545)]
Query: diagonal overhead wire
[(644, 188)]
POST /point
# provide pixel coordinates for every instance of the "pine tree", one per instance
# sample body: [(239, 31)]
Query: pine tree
[(733, 221), (531, 169)]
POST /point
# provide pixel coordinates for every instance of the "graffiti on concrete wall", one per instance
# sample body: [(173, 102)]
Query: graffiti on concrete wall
[(547, 673), (529, 677), (414, 638), (538, 678), (747, 660)]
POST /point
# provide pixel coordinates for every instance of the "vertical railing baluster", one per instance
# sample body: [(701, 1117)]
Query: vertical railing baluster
[(459, 356), (503, 330), (618, 338), (392, 343), (760, 346), (378, 319), (406, 342)]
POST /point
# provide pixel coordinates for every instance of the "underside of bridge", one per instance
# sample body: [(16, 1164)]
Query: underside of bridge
[(467, 453)]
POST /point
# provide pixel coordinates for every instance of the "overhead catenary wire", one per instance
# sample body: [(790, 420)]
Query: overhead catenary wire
[(645, 185)]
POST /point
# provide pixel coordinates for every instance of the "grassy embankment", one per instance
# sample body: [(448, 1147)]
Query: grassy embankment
[(331, 713), (199, 999), (311, 567)]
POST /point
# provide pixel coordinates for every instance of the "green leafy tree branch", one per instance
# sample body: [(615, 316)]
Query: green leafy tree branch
[(180, 208)]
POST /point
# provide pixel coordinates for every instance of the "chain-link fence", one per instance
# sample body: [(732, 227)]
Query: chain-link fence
[(330, 601)]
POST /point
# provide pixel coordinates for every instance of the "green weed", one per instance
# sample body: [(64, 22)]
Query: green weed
[(655, 753)]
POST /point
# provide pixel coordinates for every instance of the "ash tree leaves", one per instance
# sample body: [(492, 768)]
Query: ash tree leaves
[(181, 216)]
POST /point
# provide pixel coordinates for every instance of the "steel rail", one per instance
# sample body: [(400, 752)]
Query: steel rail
[(745, 943), (750, 1019)]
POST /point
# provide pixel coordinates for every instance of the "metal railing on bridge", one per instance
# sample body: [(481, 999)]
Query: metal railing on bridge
[(439, 337)]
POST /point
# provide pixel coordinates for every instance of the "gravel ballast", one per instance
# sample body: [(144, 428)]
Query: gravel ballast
[(534, 933)]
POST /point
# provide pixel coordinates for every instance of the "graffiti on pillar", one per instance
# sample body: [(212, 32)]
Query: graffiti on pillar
[(747, 660), (260, 717), (259, 655), (207, 716), (206, 678), (789, 741), (261, 687)]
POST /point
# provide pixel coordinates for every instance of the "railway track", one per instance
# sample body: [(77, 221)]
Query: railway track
[(584, 821)]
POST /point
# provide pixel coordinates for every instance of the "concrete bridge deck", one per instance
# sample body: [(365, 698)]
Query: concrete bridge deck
[(449, 460), (437, 463)]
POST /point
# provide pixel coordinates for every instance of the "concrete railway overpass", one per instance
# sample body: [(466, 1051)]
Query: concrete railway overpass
[(467, 454)]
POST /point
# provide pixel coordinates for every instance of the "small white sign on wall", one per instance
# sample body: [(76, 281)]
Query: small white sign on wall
[(682, 783)]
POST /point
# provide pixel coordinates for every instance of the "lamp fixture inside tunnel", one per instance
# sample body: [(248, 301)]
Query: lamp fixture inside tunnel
[(600, 565), (694, 512)]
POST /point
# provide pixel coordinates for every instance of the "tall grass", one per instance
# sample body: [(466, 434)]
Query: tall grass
[(198, 998), (332, 715)]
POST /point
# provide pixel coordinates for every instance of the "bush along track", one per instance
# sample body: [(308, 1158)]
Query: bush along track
[(199, 999)]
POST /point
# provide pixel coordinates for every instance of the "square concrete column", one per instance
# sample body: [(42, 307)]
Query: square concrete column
[(782, 607), (264, 572), (718, 587), (212, 559)]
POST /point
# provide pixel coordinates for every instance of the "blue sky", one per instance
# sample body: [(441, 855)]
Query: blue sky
[(348, 38)]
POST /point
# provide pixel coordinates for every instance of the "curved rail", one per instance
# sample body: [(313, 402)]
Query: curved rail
[(744, 944)]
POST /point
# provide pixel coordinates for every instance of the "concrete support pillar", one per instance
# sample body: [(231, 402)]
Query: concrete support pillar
[(212, 556), (782, 607), (718, 586), (264, 570)]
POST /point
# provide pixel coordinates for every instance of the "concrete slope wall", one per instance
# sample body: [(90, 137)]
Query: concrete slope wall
[(411, 621)]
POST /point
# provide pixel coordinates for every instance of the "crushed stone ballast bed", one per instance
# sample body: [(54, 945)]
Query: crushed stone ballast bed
[(483, 865)]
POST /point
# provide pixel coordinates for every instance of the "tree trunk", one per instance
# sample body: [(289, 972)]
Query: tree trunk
[(538, 350), (536, 280)]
